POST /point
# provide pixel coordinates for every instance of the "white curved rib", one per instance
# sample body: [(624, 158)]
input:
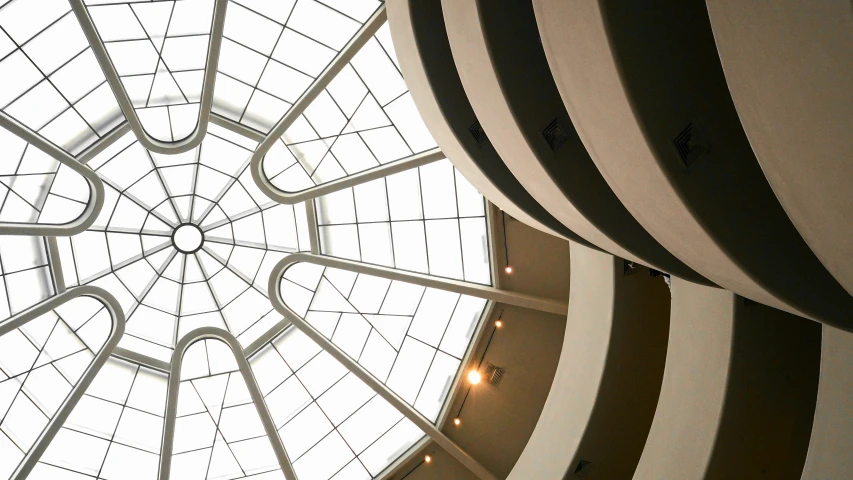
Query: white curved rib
[(252, 385), (344, 56), (194, 139), (96, 187), (55, 423)]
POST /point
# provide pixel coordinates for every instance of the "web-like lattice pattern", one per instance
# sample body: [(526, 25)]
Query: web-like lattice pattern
[(129, 249)]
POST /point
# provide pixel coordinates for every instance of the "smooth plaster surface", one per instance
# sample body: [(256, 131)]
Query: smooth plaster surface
[(505, 75), (789, 68), (829, 455), (605, 391), (633, 75), (738, 394)]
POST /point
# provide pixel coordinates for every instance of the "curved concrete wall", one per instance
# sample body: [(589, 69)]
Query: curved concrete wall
[(789, 67), (505, 75), (634, 76), (738, 394), (831, 445), (604, 394), (420, 39)]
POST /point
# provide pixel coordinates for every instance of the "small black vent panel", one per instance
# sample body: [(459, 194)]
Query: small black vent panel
[(555, 135), (582, 469), (477, 132), (495, 374), (690, 144)]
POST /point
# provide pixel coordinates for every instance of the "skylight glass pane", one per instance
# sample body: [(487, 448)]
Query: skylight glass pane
[(51, 80), (37, 189), (427, 220), (114, 431), (218, 432), (330, 422), (40, 363), (409, 337), (165, 292), (25, 278), (159, 50), (272, 52), (363, 119)]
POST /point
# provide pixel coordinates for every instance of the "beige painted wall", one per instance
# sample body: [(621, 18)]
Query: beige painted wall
[(739, 390), (540, 262), (603, 398), (829, 455)]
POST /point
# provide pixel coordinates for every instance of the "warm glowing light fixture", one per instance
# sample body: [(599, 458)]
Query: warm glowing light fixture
[(474, 377), (499, 324), (457, 422), (508, 269), (427, 458)]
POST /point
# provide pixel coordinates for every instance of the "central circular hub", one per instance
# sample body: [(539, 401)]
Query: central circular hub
[(187, 238)]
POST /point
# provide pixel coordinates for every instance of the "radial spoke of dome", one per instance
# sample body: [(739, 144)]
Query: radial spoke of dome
[(112, 306), (196, 169), (118, 266), (251, 384), (313, 227), (239, 274), (124, 101), (215, 201), (224, 263), (236, 243), (102, 143), (235, 127), (165, 186), (150, 210), (96, 187), (207, 277), (382, 171), (178, 307), (231, 219), (150, 284), (136, 258), (341, 60), (353, 366), (498, 295), (55, 264), (141, 359)]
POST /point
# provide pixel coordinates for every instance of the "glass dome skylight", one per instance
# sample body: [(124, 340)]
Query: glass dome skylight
[(158, 160)]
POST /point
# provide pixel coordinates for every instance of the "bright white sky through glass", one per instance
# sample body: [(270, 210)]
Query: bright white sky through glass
[(188, 240), (51, 80)]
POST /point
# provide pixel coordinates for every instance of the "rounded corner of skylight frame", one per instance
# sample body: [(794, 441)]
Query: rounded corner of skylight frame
[(96, 187), (54, 423), (176, 379), (99, 294), (186, 140), (310, 193)]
